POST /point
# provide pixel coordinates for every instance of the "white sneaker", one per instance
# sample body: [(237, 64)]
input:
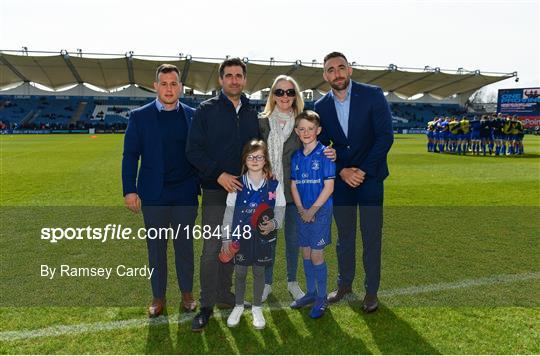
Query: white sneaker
[(234, 317), (266, 292), (295, 290), (258, 318)]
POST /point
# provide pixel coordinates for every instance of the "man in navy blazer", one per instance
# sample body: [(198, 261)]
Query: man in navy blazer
[(357, 119), (165, 185)]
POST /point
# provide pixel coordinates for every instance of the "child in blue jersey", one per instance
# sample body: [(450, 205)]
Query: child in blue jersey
[(312, 185), (256, 244)]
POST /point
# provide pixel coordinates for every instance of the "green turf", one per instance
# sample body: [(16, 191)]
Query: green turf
[(448, 218)]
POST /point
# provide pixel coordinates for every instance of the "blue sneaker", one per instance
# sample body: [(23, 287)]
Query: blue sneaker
[(304, 301), (318, 309)]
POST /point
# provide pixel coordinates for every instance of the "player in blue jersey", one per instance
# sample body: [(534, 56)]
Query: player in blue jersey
[(312, 185), (475, 135), (443, 133)]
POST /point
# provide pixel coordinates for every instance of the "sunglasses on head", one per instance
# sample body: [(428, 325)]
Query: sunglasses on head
[(289, 92)]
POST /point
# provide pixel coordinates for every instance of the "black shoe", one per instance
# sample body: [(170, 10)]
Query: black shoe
[(201, 319), (339, 294), (370, 303)]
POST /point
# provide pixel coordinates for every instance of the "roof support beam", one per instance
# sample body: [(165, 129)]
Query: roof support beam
[(411, 82), (319, 85), (13, 69), (65, 56), (450, 83), (378, 77), (211, 76), (294, 68), (129, 63), (185, 70)]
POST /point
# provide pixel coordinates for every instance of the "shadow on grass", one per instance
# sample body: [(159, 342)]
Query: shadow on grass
[(392, 334), (158, 340), (328, 337)]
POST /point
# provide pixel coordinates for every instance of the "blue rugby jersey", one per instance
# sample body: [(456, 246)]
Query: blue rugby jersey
[(309, 173)]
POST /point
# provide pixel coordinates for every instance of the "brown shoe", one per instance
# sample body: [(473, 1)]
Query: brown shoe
[(156, 308), (188, 303), (370, 303), (339, 294)]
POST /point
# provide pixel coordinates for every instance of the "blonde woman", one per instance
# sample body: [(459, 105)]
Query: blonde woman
[(276, 126)]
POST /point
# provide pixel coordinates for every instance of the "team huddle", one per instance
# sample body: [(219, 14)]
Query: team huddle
[(491, 134)]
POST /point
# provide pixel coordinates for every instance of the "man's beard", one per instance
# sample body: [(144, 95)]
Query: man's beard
[(342, 86)]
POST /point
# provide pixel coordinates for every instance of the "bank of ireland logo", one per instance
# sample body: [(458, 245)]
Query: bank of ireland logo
[(252, 205), (305, 175), (315, 165)]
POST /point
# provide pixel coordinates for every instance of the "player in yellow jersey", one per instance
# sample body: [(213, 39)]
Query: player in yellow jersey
[(506, 135), (464, 136), (453, 127)]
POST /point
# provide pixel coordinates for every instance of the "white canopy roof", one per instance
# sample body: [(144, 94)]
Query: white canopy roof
[(61, 70)]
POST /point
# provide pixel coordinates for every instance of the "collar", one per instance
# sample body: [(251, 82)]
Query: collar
[(243, 99), (318, 147), (349, 89), (252, 185), (160, 107)]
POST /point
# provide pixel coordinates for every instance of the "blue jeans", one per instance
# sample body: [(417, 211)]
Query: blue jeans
[(291, 247)]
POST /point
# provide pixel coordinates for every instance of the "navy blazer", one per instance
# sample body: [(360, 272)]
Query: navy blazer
[(370, 133), (143, 140)]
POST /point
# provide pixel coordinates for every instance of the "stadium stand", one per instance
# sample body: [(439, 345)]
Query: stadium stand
[(104, 88), (62, 112)]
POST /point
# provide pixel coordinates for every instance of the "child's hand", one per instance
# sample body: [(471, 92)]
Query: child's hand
[(267, 227), (302, 213), (309, 215), (225, 247)]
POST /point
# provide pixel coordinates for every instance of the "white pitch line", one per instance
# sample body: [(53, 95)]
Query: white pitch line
[(466, 283), (61, 330)]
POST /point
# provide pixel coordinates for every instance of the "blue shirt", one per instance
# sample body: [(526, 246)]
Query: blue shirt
[(309, 173), (161, 107), (342, 109)]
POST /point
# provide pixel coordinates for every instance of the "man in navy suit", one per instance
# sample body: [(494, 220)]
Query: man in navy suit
[(165, 185), (357, 119)]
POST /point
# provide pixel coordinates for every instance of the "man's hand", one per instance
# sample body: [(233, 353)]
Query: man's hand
[(352, 176), (229, 182), (133, 202), (330, 153)]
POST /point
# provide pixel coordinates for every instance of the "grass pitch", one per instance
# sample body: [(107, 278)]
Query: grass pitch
[(460, 261)]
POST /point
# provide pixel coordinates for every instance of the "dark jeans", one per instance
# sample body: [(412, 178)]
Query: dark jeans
[(174, 210), (216, 277), (368, 200)]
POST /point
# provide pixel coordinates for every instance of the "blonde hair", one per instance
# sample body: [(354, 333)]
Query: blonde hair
[(298, 103)]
